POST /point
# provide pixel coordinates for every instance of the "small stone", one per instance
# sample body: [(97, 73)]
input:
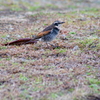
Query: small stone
[(76, 48), (18, 36)]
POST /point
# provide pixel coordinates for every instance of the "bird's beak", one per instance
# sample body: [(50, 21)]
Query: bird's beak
[(61, 22)]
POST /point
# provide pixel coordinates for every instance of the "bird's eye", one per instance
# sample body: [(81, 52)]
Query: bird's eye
[(56, 24)]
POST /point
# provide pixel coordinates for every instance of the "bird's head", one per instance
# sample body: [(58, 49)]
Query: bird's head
[(57, 23)]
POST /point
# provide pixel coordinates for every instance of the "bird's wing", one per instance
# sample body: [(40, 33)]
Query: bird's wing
[(38, 36), (48, 28), (42, 34)]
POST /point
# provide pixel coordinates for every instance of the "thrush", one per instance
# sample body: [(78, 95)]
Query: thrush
[(47, 35)]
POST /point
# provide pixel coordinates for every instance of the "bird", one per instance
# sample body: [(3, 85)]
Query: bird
[(47, 35)]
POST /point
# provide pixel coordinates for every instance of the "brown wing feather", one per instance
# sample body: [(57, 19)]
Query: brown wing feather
[(42, 33)]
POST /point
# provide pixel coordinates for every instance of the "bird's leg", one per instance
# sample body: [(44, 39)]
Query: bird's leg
[(47, 44), (54, 46), (51, 45)]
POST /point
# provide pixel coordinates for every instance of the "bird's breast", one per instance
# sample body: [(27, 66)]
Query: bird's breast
[(51, 35)]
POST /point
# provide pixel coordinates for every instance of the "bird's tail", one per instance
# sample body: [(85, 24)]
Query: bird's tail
[(27, 40), (21, 42)]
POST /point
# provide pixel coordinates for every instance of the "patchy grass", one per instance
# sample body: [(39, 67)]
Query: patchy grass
[(90, 43), (35, 72)]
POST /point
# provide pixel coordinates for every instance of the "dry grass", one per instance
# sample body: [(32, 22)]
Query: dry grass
[(36, 72)]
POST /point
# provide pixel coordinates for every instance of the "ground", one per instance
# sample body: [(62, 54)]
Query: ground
[(71, 71)]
